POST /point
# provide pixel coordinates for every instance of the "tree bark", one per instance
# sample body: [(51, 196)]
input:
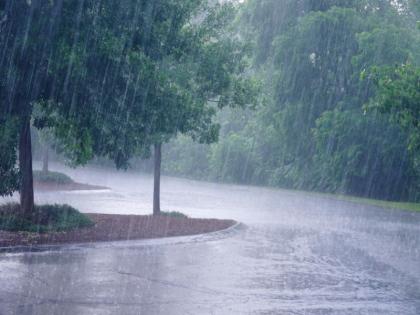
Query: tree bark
[(25, 165), (45, 159), (156, 190)]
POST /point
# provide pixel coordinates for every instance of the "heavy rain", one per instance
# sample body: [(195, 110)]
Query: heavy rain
[(210, 157)]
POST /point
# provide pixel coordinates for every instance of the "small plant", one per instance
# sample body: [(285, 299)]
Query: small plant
[(52, 177), (45, 218), (174, 214)]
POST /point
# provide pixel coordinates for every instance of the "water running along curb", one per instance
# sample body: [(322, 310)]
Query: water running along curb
[(159, 241)]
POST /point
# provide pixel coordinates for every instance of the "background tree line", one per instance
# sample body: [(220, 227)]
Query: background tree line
[(341, 102)]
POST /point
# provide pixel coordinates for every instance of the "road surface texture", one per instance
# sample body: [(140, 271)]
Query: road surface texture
[(295, 253)]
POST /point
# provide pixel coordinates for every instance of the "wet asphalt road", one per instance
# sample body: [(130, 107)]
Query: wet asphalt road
[(295, 253)]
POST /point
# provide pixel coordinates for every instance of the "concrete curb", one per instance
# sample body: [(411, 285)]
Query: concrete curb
[(170, 240)]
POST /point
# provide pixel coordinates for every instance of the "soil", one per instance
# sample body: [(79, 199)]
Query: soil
[(111, 227)]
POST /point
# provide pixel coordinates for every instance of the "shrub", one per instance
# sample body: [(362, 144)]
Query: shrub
[(45, 218), (174, 214), (52, 177)]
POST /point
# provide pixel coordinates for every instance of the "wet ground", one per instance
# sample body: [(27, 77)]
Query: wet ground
[(295, 253)]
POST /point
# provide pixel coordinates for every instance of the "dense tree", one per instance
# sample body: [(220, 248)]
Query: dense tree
[(25, 45), (9, 173), (112, 78), (398, 93), (313, 132), (42, 53), (363, 154), (159, 68)]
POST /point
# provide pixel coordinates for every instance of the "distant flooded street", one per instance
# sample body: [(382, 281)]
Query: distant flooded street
[(295, 254)]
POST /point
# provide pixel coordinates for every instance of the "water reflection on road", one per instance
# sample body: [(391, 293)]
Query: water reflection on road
[(298, 254)]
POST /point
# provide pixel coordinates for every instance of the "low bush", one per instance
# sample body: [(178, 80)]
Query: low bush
[(52, 177), (174, 214), (45, 218)]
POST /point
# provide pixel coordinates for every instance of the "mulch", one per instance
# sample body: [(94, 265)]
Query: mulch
[(111, 227)]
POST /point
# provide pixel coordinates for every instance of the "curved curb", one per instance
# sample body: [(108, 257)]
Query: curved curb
[(126, 244)]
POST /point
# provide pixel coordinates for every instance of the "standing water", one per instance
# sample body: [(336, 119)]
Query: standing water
[(294, 253)]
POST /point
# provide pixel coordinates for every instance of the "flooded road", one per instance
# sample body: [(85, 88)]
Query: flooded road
[(295, 253)]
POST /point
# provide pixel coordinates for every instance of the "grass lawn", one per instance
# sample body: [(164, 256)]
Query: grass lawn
[(411, 206), (46, 218)]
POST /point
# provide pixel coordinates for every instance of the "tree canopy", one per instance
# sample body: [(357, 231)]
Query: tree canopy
[(314, 131), (112, 78)]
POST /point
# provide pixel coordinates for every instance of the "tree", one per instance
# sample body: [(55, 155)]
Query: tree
[(211, 71), (398, 94), (46, 61), (9, 173), (46, 141), (142, 73), (363, 154), (25, 43), (312, 131)]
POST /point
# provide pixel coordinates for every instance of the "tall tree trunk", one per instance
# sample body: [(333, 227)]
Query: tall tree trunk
[(25, 165), (45, 160), (156, 190)]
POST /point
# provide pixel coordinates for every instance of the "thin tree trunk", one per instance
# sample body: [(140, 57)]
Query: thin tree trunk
[(156, 190), (45, 159), (25, 165)]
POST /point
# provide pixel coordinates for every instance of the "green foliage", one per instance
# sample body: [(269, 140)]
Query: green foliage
[(52, 177), (184, 157), (123, 75), (151, 70), (361, 155), (114, 77), (230, 160), (24, 75), (44, 219), (173, 214), (313, 131), (398, 93), (326, 143), (410, 206), (9, 179), (265, 20)]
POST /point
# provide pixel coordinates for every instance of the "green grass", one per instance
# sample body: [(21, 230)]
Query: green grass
[(46, 218), (411, 206), (52, 177), (174, 214), (383, 203)]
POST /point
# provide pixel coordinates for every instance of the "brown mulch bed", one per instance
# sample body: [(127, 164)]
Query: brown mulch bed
[(110, 227), (45, 186)]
